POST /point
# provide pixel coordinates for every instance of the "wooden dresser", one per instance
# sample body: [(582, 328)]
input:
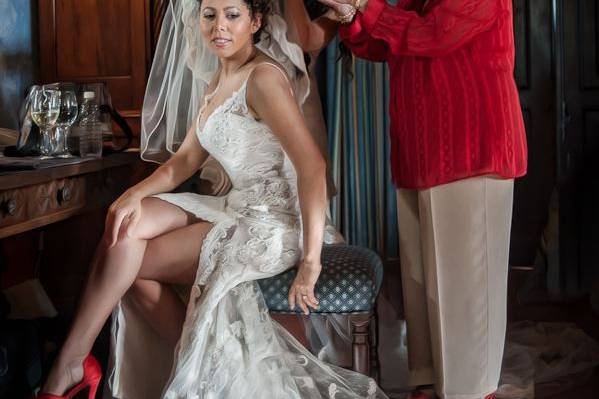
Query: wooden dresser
[(51, 220)]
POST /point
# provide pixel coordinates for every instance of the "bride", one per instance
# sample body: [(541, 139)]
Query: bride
[(178, 271)]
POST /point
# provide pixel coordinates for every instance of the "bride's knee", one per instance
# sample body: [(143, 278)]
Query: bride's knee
[(155, 218), (120, 228), (145, 227), (110, 241)]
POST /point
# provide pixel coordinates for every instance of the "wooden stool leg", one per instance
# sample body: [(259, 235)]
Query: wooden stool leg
[(361, 343), (374, 354)]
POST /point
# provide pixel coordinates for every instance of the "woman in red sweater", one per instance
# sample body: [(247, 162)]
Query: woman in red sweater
[(458, 142)]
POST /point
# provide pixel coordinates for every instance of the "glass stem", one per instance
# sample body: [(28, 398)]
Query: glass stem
[(46, 142), (62, 132), (65, 136)]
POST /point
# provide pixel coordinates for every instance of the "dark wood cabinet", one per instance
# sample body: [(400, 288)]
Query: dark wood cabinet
[(108, 41), (51, 220)]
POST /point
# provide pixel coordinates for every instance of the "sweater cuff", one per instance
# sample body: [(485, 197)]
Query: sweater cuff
[(364, 21), (391, 24), (372, 13)]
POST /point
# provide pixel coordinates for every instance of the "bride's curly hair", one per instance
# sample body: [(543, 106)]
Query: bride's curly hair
[(262, 7)]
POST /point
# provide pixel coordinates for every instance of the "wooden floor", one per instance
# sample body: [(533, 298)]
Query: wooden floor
[(578, 312)]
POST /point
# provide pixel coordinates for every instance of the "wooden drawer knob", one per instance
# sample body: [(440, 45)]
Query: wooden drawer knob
[(8, 207), (63, 195)]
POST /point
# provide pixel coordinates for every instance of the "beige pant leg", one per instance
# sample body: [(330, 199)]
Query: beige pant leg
[(420, 359), (465, 233)]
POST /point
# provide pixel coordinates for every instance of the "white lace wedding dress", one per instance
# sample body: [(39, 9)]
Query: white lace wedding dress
[(230, 347)]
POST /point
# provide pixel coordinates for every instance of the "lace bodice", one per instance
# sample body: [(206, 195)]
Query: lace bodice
[(261, 173)]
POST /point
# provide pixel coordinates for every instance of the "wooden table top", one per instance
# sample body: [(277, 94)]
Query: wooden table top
[(16, 179)]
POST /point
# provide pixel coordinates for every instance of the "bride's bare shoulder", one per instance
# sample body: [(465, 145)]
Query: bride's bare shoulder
[(264, 71), (269, 88)]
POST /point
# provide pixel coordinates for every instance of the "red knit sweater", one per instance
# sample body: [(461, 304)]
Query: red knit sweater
[(455, 111)]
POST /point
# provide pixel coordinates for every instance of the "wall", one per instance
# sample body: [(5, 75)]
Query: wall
[(18, 55)]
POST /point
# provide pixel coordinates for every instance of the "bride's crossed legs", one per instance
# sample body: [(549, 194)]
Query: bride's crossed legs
[(164, 248)]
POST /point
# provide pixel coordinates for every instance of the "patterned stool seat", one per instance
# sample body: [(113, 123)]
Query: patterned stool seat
[(349, 283)]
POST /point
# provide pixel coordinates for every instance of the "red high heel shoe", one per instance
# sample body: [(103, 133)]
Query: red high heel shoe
[(92, 374)]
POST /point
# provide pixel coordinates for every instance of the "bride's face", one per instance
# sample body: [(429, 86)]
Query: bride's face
[(227, 26)]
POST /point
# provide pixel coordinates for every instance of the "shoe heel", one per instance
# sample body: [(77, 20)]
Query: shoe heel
[(93, 389)]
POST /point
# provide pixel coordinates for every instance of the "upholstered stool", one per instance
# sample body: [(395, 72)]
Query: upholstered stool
[(349, 284)]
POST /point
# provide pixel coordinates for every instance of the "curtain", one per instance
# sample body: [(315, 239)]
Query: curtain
[(364, 210)]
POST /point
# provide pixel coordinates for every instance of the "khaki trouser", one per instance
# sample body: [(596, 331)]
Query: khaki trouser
[(454, 244)]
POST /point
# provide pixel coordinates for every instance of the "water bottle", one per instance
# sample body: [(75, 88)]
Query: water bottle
[(90, 130)]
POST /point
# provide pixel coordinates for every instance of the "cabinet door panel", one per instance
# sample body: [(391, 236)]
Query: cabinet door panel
[(534, 77), (579, 165), (97, 41)]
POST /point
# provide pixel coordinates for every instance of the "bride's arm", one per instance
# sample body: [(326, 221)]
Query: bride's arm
[(180, 167), (270, 96), (125, 212), (315, 34)]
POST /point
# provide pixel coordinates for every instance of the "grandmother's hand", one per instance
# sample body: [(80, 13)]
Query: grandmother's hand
[(341, 7)]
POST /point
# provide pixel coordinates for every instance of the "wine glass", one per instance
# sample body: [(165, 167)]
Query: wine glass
[(45, 109), (67, 116)]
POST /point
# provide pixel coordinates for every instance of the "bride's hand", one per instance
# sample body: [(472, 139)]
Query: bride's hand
[(123, 215), (302, 289)]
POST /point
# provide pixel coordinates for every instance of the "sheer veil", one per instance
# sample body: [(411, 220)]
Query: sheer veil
[(183, 68)]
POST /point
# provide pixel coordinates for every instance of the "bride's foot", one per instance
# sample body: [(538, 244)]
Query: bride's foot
[(63, 376)]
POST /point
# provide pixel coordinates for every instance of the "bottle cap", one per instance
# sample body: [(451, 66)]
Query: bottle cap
[(88, 95)]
